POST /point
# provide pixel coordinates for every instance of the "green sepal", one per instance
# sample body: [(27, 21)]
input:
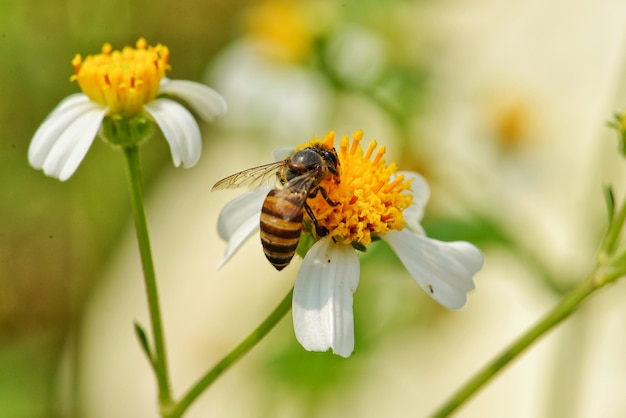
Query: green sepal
[(360, 247), (125, 131), (307, 240)]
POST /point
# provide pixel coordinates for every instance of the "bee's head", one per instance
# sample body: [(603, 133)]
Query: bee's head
[(314, 158)]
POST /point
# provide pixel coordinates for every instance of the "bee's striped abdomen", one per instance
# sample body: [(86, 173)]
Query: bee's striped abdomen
[(281, 225)]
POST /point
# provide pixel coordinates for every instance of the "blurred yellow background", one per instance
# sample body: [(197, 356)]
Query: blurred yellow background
[(502, 106)]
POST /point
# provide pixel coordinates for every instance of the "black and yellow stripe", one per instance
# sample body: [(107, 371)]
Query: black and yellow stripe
[(281, 225)]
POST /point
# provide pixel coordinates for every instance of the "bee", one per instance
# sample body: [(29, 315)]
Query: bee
[(298, 177)]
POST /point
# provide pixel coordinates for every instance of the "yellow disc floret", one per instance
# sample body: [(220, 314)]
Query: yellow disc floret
[(122, 80), (369, 197)]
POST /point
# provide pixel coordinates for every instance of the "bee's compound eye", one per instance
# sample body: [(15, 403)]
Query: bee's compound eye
[(308, 157), (332, 161), (331, 156)]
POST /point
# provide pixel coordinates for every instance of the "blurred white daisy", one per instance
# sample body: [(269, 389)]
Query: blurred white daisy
[(373, 201), (124, 88)]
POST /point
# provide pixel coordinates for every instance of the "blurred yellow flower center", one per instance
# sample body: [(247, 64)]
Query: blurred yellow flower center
[(370, 197), (122, 80), (281, 27)]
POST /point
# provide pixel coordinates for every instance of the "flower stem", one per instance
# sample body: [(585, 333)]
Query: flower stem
[(253, 339), (158, 357), (561, 311)]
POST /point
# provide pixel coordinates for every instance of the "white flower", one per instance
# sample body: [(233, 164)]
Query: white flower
[(329, 274), (62, 140)]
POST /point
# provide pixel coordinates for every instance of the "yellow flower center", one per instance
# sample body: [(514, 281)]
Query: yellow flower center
[(122, 80), (370, 197)]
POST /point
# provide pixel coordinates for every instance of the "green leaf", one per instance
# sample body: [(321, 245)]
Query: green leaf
[(610, 202), (619, 125), (145, 345)]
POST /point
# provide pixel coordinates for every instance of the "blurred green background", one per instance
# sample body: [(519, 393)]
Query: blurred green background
[(501, 107), (54, 237)]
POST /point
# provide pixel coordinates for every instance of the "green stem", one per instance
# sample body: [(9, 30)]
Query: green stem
[(253, 339), (159, 359), (562, 310)]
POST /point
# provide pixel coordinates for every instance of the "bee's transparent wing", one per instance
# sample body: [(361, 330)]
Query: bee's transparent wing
[(302, 183), (251, 178), (293, 196)]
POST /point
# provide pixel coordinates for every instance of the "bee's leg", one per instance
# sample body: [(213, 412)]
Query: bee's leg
[(321, 231), (281, 177), (324, 195), (326, 198)]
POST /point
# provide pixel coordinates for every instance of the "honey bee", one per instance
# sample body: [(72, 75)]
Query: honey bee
[(299, 177)]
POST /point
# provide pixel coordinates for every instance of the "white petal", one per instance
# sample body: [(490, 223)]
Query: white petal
[(63, 139), (204, 100), (53, 126), (77, 99), (421, 193), (239, 220), (322, 298), (180, 130), (84, 131), (444, 270)]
